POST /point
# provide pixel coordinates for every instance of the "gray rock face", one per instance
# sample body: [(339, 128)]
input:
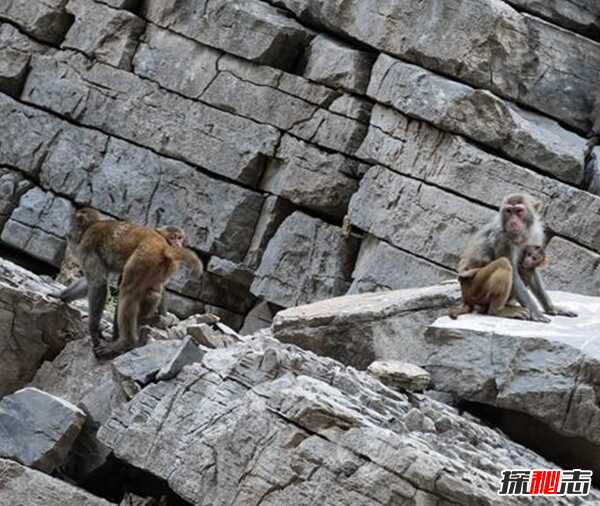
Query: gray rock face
[(46, 20), (400, 375), (187, 353), (521, 135), (38, 429), (251, 29), (103, 33), (380, 266), (297, 420), (33, 326), (492, 46), (306, 260), (77, 377), (335, 64), (578, 15), (548, 371), (24, 486), (594, 171), (139, 111), (12, 187), (359, 329), (311, 178)]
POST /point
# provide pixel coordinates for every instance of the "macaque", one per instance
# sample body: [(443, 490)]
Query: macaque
[(531, 258), (489, 267), (141, 255)]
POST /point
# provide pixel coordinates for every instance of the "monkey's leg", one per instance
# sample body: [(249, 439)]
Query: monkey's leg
[(75, 291), (127, 317), (97, 294), (537, 287), (150, 304), (455, 312)]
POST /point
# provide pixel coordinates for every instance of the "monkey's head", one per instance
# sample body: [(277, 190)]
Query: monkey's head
[(174, 235), (533, 257), (518, 213), (81, 220)]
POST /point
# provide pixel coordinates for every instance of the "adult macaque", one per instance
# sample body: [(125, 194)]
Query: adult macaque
[(489, 267), (532, 257), (141, 255)]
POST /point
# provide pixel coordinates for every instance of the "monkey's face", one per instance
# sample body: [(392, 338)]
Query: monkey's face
[(534, 257), (175, 239), (514, 218)]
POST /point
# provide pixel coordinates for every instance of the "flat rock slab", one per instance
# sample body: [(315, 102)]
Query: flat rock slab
[(358, 329), (400, 375), (549, 371), (38, 429), (22, 486)]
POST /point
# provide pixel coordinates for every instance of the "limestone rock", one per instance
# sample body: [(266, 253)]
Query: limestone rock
[(33, 326), (24, 486), (335, 64), (101, 32), (306, 260), (12, 187), (548, 371), (259, 317), (302, 423), (187, 353), (521, 135), (400, 376), (38, 429), (251, 29), (492, 46), (593, 169), (359, 329), (46, 20)]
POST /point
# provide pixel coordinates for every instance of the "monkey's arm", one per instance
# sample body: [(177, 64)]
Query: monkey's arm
[(76, 290), (469, 273), (537, 287), (192, 260), (520, 292)]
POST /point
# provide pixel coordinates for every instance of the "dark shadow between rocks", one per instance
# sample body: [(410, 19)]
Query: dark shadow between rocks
[(566, 452), (26, 261)]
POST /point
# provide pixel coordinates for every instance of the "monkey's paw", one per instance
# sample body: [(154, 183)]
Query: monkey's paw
[(563, 312), (540, 318)]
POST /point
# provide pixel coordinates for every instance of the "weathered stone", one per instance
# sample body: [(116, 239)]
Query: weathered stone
[(400, 375), (188, 353), (273, 212), (103, 33), (39, 225), (311, 177), (33, 327), (206, 336), (14, 60), (381, 266), (338, 65), (236, 273), (24, 486), (418, 218), (12, 187), (120, 103), (593, 172), (300, 422), (258, 318), (492, 46), (75, 375), (45, 20), (578, 15), (447, 161), (522, 135), (251, 29), (38, 429), (129, 5), (548, 371), (138, 367), (359, 329), (306, 260), (572, 268)]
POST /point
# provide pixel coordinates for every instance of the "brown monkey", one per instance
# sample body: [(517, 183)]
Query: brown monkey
[(488, 269), (141, 255), (531, 258)]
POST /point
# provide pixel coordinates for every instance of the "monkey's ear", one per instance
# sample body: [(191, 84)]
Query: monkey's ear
[(538, 205)]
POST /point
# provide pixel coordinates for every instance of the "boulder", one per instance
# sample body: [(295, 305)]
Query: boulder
[(33, 326), (45, 20), (306, 260), (359, 329), (38, 429), (187, 353), (313, 432), (400, 376), (550, 372), (12, 187), (103, 33), (24, 486)]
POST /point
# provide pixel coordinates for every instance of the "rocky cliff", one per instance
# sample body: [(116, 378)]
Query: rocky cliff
[(262, 127)]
